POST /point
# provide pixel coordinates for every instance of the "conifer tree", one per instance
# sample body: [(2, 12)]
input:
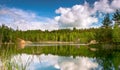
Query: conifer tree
[(106, 21)]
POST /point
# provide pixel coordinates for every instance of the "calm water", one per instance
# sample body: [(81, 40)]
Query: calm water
[(101, 61), (54, 62)]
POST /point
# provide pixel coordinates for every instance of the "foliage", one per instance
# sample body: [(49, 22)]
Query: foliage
[(116, 34), (64, 35), (116, 30), (116, 16), (106, 21), (5, 34), (104, 35)]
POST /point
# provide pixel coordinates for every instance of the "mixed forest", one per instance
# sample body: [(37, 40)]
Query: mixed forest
[(107, 51), (107, 33)]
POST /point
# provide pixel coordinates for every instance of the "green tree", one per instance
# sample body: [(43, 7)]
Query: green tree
[(116, 34), (104, 35), (116, 30), (116, 17), (5, 34), (106, 21)]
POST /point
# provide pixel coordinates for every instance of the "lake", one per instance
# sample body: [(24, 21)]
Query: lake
[(59, 57)]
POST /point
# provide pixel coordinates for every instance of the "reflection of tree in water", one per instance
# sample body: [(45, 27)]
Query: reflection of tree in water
[(106, 63), (108, 57)]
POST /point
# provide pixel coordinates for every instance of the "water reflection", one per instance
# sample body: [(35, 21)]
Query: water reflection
[(54, 62), (0, 63)]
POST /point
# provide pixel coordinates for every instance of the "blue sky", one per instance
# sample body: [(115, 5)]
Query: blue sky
[(44, 8), (55, 14)]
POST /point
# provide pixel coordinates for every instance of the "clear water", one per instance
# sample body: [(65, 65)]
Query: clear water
[(54, 62), (102, 60)]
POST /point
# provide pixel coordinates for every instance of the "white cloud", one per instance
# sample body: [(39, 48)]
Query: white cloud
[(103, 6), (83, 16), (116, 4), (79, 16), (62, 10), (25, 20)]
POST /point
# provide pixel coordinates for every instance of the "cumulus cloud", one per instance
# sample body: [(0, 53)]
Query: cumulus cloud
[(115, 4), (84, 16), (79, 16), (25, 20), (103, 6)]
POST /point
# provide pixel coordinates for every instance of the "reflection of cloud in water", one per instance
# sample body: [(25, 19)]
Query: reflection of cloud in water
[(81, 63), (54, 62)]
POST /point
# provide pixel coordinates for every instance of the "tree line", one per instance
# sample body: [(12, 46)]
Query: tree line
[(107, 33)]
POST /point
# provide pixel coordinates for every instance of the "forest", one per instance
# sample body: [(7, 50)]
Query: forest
[(106, 51), (107, 33)]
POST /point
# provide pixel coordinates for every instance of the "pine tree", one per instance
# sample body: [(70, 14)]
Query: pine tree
[(116, 30), (116, 17), (106, 21)]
